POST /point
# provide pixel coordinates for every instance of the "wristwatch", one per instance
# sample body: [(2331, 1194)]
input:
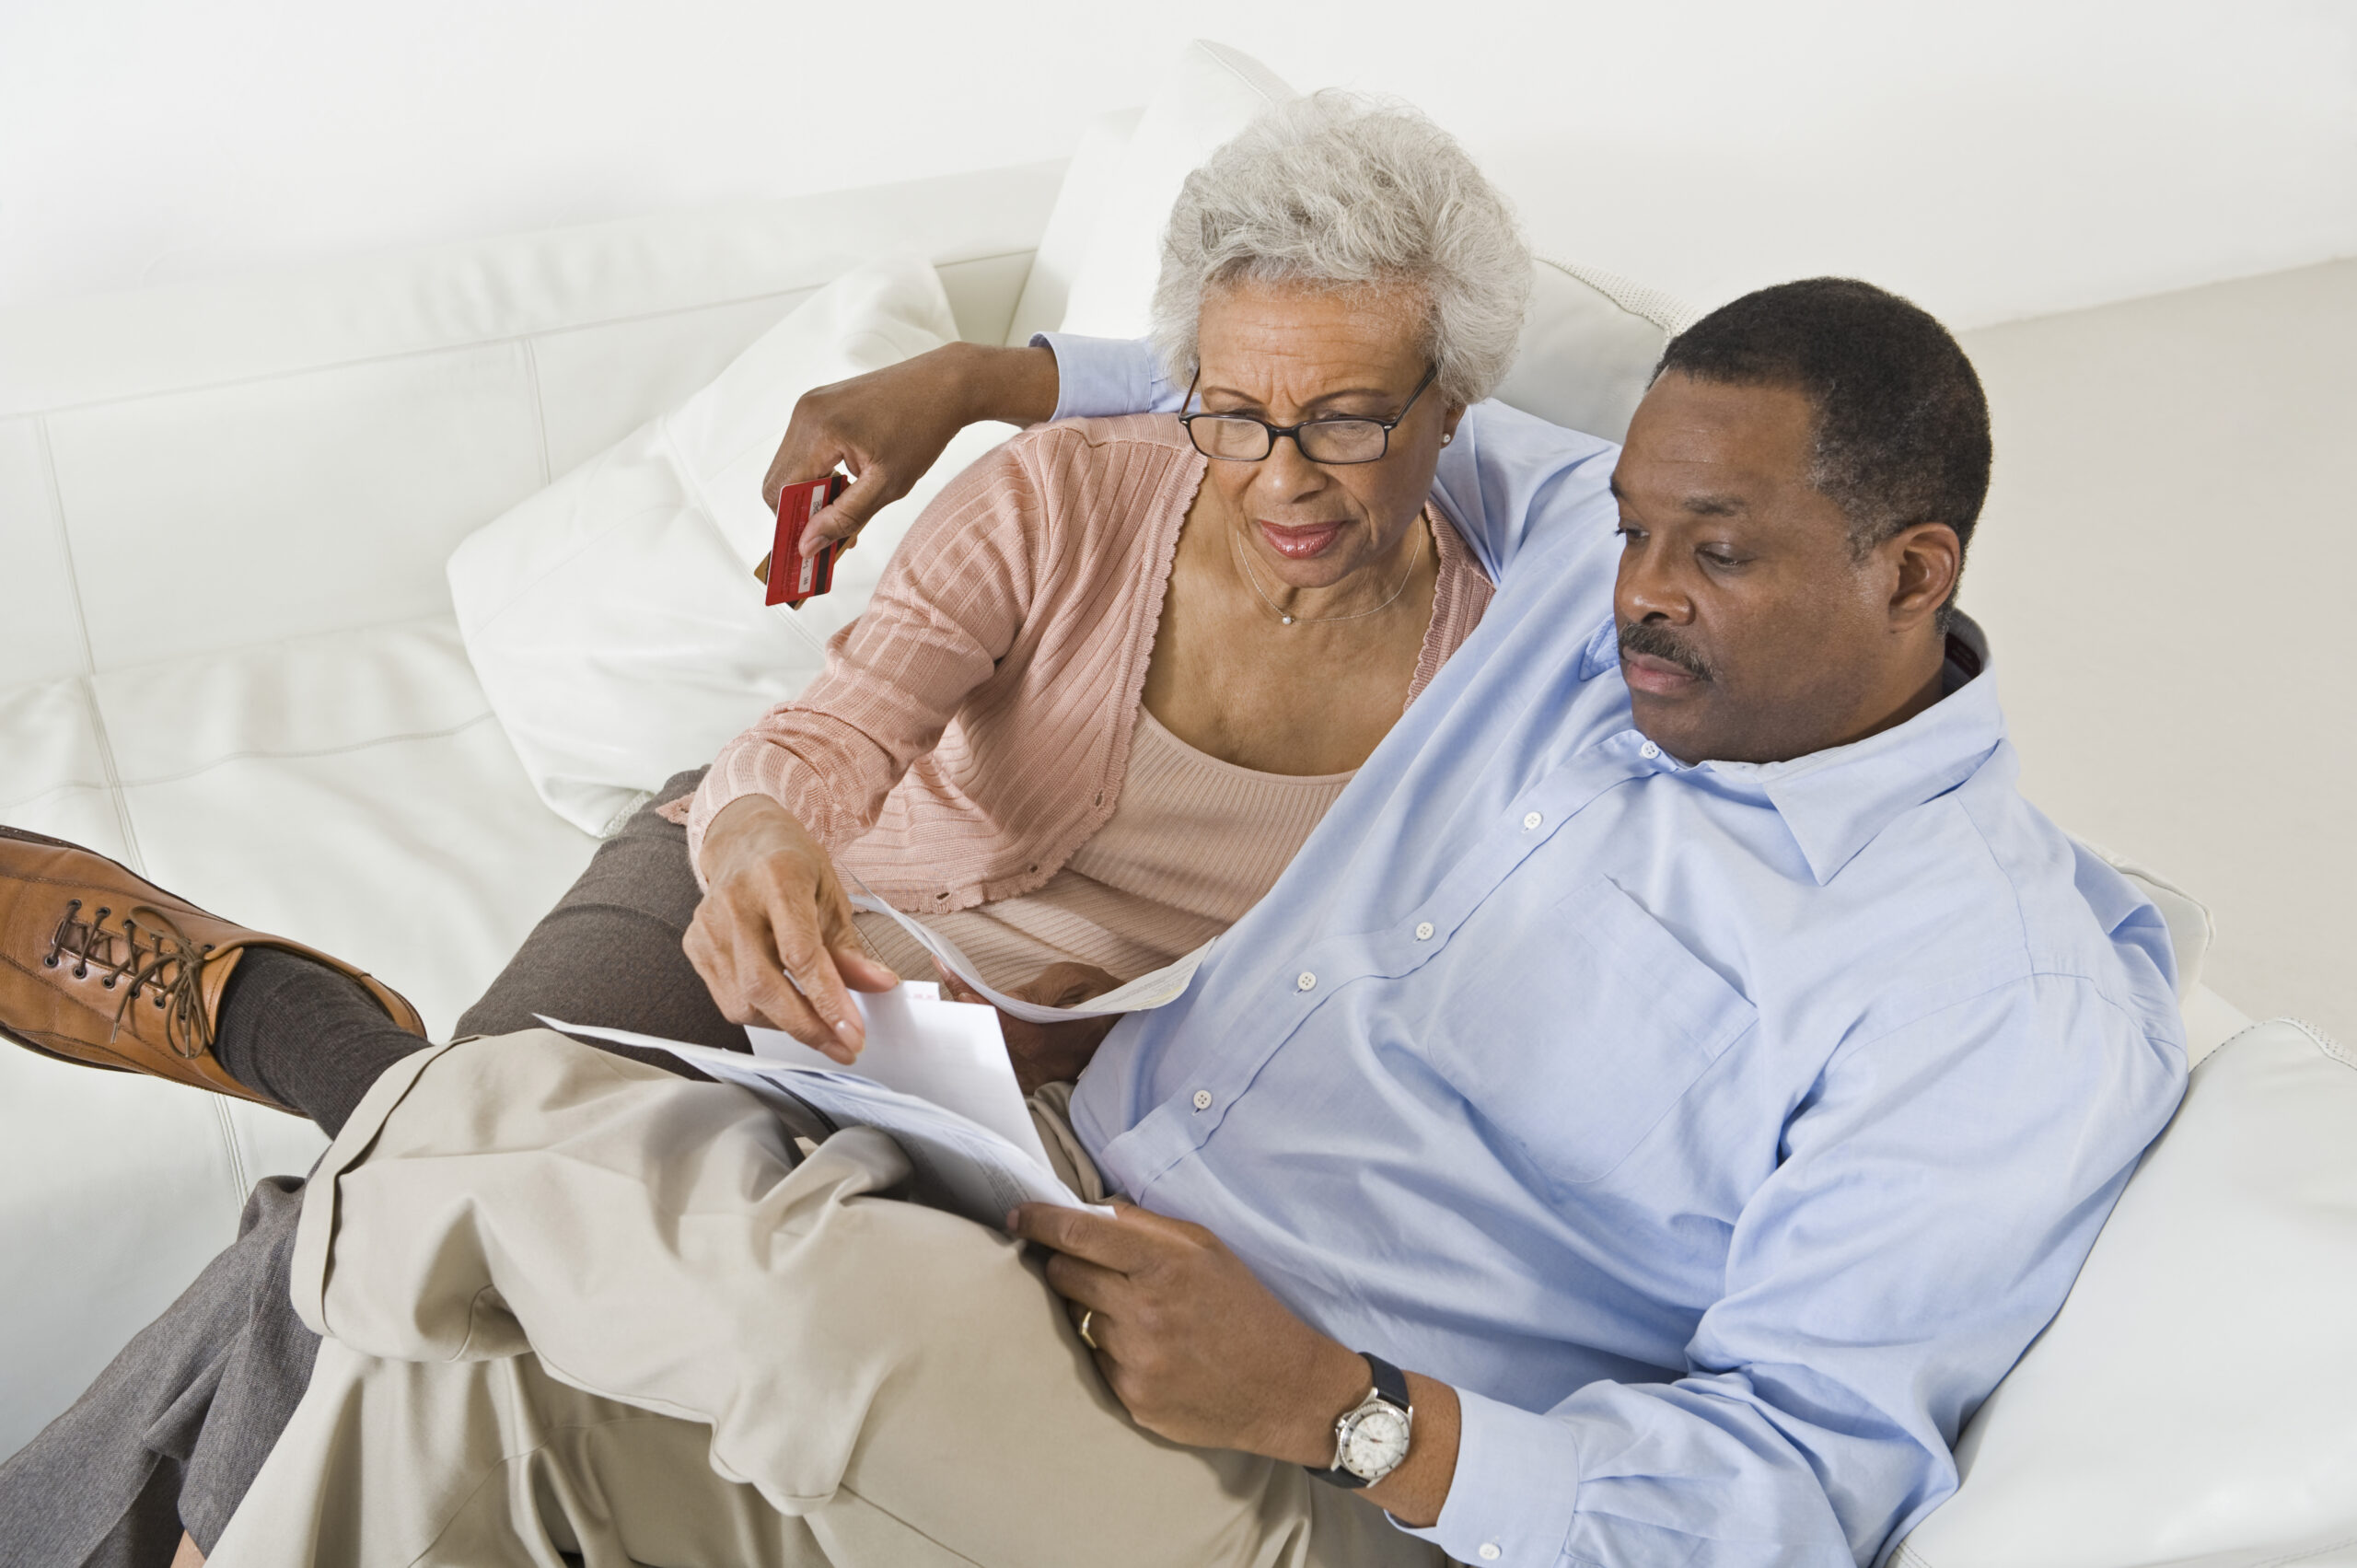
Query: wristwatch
[(1371, 1437)]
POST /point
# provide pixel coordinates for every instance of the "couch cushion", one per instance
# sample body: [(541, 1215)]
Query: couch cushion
[(2191, 1403), (613, 617)]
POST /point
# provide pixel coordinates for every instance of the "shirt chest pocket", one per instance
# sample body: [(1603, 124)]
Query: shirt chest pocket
[(1575, 1039)]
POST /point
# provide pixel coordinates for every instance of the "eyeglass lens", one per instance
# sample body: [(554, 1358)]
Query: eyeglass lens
[(1239, 439)]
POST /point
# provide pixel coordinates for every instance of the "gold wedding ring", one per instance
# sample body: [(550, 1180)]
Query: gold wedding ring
[(1088, 1313)]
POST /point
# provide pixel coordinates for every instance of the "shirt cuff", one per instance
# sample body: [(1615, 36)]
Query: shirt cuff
[(1517, 1483), (1100, 377)]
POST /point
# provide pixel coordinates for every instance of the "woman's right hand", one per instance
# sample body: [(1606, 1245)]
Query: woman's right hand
[(773, 909)]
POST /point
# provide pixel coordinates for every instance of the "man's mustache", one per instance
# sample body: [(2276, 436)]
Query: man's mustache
[(1656, 642)]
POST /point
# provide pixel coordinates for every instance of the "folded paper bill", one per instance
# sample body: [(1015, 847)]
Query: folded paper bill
[(1142, 995), (934, 1078)]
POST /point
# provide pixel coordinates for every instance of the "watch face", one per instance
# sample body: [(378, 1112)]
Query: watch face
[(1379, 1441)]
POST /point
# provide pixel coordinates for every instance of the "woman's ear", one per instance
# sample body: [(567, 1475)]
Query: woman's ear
[(1448, 418)]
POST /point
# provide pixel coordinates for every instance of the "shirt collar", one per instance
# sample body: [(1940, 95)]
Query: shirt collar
[(1834, 802)]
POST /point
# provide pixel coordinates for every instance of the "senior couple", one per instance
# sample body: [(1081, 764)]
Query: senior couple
[(1654, 1076)]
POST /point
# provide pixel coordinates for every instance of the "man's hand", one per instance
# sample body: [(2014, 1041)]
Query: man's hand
[(773, 937), (1048, 1053), (887, 426), (1197, 1349), (1199, 1352)]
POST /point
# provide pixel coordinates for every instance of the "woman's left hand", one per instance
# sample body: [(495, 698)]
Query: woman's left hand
[(1048, 1053)]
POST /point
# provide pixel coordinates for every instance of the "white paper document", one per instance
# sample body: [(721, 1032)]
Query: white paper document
[(934, 1077), (1142, 995), (948, 1052)]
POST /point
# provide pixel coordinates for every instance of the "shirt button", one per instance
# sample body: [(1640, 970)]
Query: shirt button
[(1203, 1100), (1649, 752), (1305, 981), (1532, 821), (1424, 931), (1489, 1551)]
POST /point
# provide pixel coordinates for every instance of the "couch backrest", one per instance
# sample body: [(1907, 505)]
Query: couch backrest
[(196, 468)]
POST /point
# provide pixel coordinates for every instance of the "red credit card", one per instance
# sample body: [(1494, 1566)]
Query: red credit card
[(790, 576)]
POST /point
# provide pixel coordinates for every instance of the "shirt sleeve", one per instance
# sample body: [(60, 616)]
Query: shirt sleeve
[(948, 607), (1875, 1292), (1099, 378), (1507, 478)]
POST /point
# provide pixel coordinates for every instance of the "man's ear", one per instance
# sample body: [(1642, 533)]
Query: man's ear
[(1928, 559)]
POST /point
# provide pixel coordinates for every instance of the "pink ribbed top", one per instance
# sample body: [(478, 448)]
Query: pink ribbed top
[(1194, 842), (973, 728)]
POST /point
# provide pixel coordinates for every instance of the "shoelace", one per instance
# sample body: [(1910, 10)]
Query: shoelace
[(143, 958)]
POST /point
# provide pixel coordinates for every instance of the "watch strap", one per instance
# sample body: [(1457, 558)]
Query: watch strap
[(1390, 1383)]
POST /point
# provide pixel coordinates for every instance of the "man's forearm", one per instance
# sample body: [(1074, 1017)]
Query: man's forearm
[(890, 425), (1015, 384)]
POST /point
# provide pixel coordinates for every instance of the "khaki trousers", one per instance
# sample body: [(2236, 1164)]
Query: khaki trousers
[(574, 1304)]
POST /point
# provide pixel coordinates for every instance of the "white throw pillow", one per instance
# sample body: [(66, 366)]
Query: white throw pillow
[(2192, 1402), (613, 618), (1588, 347), (1211, 94)]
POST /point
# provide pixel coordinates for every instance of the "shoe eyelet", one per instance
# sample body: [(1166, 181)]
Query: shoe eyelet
[(103, 912), (49, 963), (107, 984), (82, 973)]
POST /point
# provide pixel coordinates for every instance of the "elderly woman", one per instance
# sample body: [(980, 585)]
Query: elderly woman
[(1121, 667), (1101, 697)]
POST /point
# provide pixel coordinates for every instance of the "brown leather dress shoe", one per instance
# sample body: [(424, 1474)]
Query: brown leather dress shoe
[(99, 966)]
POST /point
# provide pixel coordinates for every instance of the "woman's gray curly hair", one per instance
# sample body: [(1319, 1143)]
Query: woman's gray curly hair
[(1338, 190)]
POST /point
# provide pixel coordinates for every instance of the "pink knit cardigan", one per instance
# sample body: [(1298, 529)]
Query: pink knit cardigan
[(971, 727)]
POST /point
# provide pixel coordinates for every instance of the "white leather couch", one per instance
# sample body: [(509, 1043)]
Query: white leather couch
[(228, 658)]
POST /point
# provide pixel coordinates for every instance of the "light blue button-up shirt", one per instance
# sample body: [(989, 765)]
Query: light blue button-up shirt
[(1721, 1133)]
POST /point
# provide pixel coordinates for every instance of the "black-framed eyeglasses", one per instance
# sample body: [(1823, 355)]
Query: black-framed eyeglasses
[(1331, 439)]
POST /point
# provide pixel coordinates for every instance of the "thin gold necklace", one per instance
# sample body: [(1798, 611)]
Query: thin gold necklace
[(1285, 620)]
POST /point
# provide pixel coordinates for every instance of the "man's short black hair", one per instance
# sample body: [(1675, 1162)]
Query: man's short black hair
[(1902, 426)]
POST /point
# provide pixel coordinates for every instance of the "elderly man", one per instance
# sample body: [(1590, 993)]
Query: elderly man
[(1667, 1092)]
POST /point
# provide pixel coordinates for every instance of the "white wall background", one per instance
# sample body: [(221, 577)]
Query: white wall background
[(1994, 158)]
